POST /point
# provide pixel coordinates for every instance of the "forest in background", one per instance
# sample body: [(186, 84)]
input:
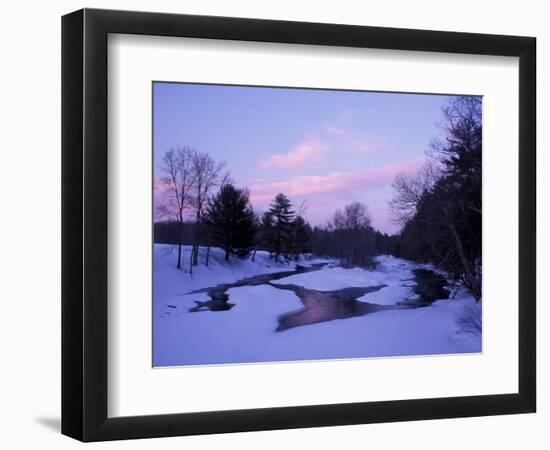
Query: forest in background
[(438, 209)]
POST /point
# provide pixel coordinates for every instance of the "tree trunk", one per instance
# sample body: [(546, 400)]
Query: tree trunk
[(254, 255), (207, 256), (180, 239), (196, 253), (196, 257), (191, 262), (475, 289), (196, 239), (227, 254)]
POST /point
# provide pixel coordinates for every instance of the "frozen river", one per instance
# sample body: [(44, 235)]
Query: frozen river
[(258, 311)]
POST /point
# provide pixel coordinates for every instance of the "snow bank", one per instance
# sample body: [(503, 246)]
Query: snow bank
[(168, 280), (246, 333), (394, 273), (332, 279), (390, 295)]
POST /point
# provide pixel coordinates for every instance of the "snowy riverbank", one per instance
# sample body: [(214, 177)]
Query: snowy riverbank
[(246, 333)]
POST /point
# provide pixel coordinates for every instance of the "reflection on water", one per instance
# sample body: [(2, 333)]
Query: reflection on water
[(323, 306)]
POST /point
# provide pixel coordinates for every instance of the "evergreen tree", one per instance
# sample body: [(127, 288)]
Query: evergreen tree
[(231, 221), (282, 216), (445, 225), (264, 235), (301, 238)]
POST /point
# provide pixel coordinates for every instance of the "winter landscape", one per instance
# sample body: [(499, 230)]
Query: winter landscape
[(294, 225)]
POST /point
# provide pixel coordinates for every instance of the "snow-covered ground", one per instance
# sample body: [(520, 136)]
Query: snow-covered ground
[(246, 333), (169, 281), (390, 271)]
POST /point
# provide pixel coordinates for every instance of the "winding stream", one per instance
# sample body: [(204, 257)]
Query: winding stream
[(322, 306)]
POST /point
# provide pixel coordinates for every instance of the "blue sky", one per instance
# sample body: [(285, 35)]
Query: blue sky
[(322, 148)]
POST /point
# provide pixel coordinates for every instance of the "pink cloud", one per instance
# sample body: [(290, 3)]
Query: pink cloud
[(310, 152), (159, 197), (317, 147), (335, 182)]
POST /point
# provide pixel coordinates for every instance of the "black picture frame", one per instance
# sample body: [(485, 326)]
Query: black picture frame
[(84, 224)]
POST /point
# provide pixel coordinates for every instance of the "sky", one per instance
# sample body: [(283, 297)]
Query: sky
[(322, 148)]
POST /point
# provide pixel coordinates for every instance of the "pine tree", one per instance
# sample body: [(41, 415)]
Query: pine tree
[(446, 225), (264, 224), (301, 236), (282, 216), (230, 220)]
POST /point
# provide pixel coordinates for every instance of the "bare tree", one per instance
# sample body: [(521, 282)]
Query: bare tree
[(410, 189), (353, 236), (179, 181), (355, 217), (208, 175)]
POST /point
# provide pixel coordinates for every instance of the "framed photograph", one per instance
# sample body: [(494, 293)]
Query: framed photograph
[(273, 224)]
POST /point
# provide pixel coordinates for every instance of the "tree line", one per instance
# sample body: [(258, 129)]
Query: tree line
[(198, 187), (350, 237), (439, 207)]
